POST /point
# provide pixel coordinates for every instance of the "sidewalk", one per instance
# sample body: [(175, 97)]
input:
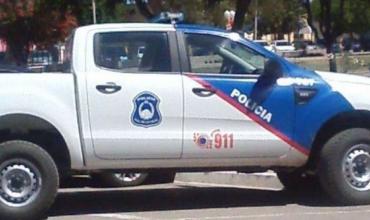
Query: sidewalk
[(267, 180)]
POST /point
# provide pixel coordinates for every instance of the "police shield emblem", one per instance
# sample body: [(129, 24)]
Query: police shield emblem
[(146, 110)]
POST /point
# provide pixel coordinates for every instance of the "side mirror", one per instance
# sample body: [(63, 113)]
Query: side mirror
[(265, 83), (272, 70)]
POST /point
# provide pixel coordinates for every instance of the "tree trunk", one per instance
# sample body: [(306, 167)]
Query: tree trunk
[(327, 30), (241, 10), (144, 9), (307, 5), (16, 54), (17, 43), (212, 3)]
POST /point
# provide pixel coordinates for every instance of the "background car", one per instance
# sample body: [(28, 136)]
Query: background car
[(356, 46), (283, 46), (336, 48), (40, 58), (265, 44), (309, 47)]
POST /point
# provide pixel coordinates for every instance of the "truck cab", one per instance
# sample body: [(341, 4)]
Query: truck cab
[(168, 108)]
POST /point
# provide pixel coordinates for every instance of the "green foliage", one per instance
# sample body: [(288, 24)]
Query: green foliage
[(45, 22), (276, 16), (41, 22), (355, 17), (200, 11)]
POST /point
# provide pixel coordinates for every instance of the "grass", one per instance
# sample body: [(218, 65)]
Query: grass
[(352, 63)]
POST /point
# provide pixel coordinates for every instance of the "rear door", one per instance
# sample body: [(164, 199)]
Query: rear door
[(231, 110), (135, 95)]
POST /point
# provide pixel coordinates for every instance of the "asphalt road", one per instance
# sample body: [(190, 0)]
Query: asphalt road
[(191, 201)]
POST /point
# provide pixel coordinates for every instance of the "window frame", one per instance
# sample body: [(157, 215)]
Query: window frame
[(172, 46), (186, 64)]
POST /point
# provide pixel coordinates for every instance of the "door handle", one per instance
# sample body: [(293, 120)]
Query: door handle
[(204, 92), (108, 88)]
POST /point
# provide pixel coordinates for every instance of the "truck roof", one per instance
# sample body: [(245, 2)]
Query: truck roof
[(112, 26), (151, 26), (195, 27)]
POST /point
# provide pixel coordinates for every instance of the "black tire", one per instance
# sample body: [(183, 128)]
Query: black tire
[(37, 162), (298, 181), (112, 180), (332, 170)]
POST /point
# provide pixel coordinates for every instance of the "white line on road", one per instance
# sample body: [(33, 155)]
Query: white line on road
[(119, 216), (275, 215)]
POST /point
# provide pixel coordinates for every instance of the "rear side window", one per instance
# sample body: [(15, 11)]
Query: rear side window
[(133, 52)]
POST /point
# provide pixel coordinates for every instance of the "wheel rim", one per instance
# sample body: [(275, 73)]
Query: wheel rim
[(127, 177), (20, 183), (356, 167)]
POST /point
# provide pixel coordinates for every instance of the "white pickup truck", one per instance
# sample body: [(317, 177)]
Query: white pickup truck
[(194, 99)]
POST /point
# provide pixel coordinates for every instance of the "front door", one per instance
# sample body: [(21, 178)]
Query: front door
[(135, 96), (232, 107)]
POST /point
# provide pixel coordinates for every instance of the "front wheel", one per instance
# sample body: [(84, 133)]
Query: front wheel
[(28, 181), (344, 167), (298, 181)]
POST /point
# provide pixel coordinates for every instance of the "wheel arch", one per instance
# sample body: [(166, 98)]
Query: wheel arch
[(40, 131), (338, 123)]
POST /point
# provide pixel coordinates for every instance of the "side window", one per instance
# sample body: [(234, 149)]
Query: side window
[(133, 52), (213, 54)]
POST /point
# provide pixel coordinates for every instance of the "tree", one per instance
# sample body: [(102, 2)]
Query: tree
[(26, 22), (327, 28), (144, 9), (150, 8), (197, 11), (277, 16), (307, 5), (336, 17), (241, 9)]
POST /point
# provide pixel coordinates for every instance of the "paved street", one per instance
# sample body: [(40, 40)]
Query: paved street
[(190, 201)]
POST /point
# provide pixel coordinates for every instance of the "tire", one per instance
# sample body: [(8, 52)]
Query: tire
[(297, 181), (120, 179), (27, 169), (344, 167)]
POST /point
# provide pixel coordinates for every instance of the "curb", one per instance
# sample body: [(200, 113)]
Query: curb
[(266, 180)]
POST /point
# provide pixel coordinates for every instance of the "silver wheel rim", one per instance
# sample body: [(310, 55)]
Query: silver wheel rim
[(356, 167), (20, 183), (127, 177)]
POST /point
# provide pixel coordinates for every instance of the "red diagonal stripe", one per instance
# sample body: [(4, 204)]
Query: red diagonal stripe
[(252, 116)]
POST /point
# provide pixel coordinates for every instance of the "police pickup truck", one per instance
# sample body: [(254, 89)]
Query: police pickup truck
[(169, 98)]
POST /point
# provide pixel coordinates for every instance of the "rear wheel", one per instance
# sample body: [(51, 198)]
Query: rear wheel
[(28, 180), (120, 179), (344, 167)]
